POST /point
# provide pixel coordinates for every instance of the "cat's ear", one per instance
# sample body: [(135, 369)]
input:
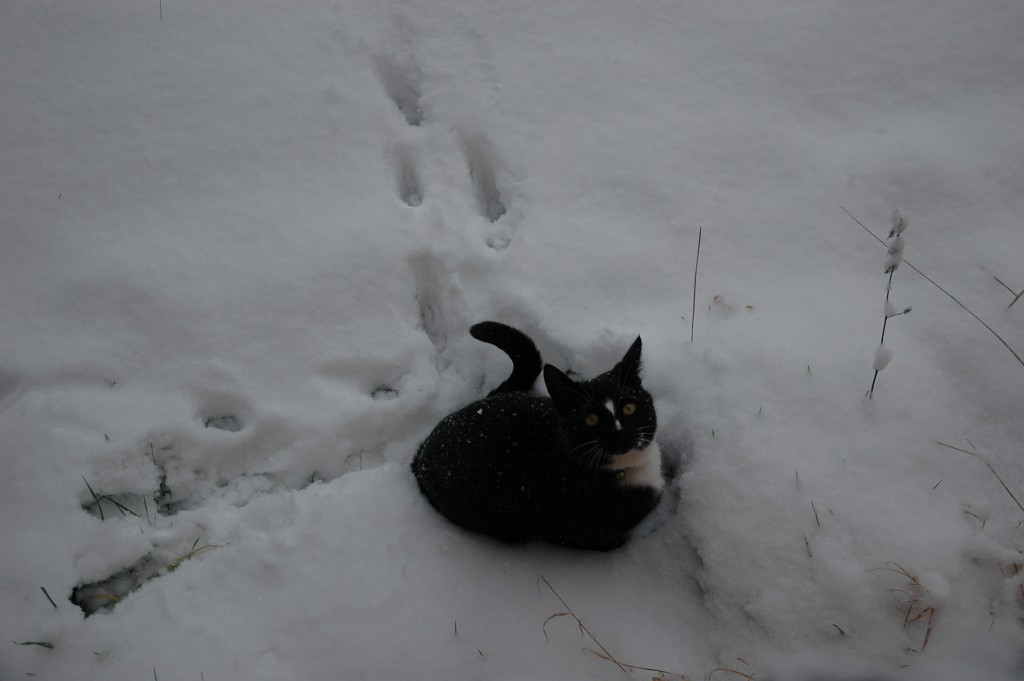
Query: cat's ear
[(565, 392), (628, 370)]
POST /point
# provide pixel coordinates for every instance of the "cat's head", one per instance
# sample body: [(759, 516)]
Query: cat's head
[(607, 416)]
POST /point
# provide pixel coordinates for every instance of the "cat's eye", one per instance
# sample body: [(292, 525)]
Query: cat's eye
[(591, 419), (629, 409)]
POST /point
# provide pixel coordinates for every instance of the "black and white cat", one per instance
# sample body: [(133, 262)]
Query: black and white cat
[(580, 468)]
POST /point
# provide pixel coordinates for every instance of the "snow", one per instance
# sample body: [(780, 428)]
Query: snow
[(895, 254), (883, 356), (899, 223), (242, 243)]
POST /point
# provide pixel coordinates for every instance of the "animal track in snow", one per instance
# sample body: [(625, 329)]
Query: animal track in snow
[(384, 392), (400, 77), (172, 514), (174, 486), (401, 82), (441, 299), (105, 594), (228, 422), (427, 288), (481, 171), (223, 410), (409, 187)]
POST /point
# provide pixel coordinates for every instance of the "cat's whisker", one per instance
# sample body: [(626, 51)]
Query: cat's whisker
[(593, 471), (581, 446), (589, 464), (585, 459)]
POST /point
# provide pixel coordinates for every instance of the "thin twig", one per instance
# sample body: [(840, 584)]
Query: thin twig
[(1017, 296), (693, 311), (47, 594), (604, 654), (1002, 284), (749, 677), (989, 466), (582, 626), (950, 295), (914, 592), (885, 322), (95, 498), (191, 554)]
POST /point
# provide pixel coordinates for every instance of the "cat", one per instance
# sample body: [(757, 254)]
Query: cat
[(580, 468)]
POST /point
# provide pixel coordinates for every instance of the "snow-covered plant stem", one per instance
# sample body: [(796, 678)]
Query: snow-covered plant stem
[(893, 258)]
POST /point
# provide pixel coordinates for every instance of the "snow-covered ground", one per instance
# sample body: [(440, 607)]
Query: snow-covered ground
[(241, 244)]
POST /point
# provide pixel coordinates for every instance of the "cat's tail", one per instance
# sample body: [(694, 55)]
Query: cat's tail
[(526, 361)]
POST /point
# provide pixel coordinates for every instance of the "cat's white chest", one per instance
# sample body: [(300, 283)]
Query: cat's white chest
[(640, 467)]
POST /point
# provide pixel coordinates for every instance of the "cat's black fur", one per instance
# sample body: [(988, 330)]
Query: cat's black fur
[(517, 466)]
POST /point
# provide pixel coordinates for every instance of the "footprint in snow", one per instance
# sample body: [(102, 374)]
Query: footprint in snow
[(401, 82), (479, 159), (492, 204), (409, 187)]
